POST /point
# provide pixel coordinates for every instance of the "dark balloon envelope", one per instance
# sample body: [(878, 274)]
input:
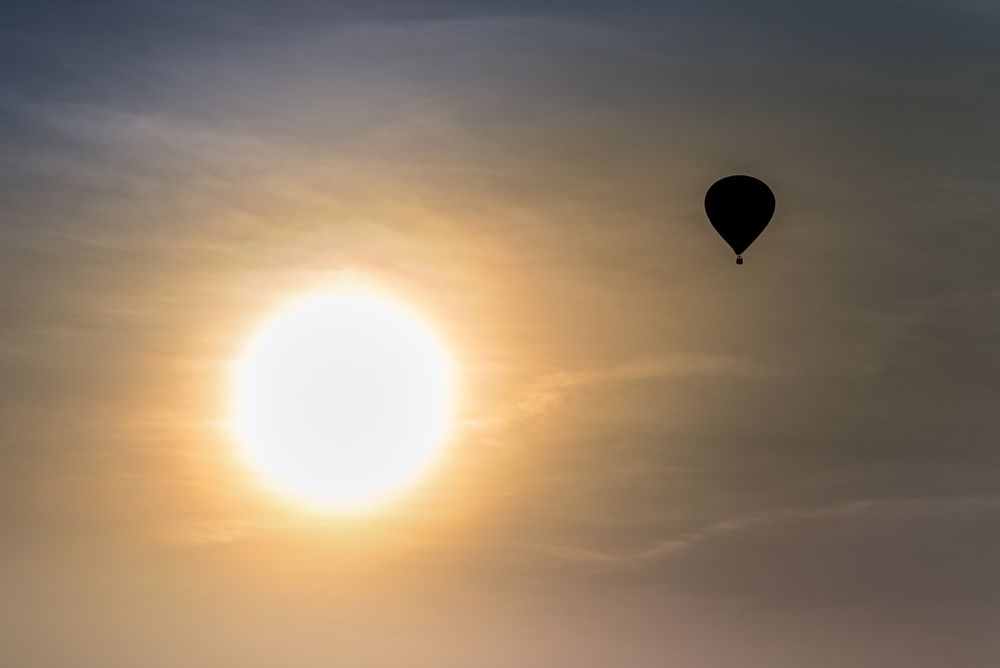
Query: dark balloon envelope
[(739, 208)]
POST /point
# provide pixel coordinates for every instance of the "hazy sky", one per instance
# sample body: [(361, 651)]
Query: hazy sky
[(663, 459)]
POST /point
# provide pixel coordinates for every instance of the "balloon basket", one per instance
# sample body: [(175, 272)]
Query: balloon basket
[(739, 259)]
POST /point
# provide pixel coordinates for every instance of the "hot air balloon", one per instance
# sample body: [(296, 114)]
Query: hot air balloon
[(739, 208)]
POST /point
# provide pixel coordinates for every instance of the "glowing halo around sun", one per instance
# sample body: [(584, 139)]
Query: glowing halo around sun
[(343, 400)]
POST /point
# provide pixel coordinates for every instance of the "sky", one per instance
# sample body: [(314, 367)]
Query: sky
[(661, 459)]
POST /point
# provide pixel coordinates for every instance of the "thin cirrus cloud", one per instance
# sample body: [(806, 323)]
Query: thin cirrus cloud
[(549, 391), (882, 510)]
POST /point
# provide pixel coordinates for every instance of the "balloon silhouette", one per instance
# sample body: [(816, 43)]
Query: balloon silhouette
[(739, 208)]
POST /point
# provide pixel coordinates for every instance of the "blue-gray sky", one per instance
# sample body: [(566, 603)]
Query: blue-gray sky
[(663, 459)]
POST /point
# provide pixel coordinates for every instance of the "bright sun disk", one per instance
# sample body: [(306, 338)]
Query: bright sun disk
[(343, 400)]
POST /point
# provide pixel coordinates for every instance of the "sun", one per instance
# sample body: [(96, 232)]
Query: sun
[(343, 400)]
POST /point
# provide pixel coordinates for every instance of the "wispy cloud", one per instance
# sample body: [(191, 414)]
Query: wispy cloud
[(551, 390), (596, 561)]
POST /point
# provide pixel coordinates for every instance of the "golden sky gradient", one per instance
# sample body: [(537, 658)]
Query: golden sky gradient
[(660, 458)]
